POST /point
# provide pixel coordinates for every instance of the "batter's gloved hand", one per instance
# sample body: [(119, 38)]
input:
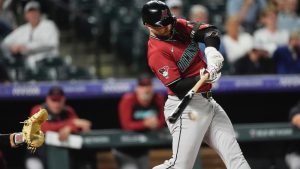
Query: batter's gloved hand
[(32, 134), (214, 58), (214, 75)]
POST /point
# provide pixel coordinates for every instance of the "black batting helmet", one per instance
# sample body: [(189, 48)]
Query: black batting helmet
[(157, 14)]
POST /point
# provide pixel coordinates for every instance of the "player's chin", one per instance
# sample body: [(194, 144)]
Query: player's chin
[(165, 33)]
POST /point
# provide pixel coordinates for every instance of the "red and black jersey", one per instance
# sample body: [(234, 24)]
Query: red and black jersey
[(57, 121), (132, 113), (178, 57)]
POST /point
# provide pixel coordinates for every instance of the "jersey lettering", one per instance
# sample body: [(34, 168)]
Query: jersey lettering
[(187, 57)]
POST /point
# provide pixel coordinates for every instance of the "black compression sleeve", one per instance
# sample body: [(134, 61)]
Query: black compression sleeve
[(208, 36), (181, 87), (4, 139), (212, 41)]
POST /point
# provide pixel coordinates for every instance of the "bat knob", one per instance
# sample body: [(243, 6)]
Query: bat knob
[(172, 119)]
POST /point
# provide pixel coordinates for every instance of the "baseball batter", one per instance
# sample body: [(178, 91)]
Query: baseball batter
[(174, 57)]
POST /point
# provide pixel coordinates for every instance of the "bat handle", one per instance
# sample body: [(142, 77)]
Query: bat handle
[(172, 119), (200, 82)]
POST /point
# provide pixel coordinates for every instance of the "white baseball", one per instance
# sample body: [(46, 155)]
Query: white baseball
[(193, 116)]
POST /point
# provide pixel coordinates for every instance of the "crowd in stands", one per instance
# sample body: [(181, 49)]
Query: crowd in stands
[(258, 36)]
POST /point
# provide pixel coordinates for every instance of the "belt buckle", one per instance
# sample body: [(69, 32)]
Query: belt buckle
[(208, 95)]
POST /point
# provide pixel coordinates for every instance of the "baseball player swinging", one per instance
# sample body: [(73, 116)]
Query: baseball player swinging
[(174, 57)]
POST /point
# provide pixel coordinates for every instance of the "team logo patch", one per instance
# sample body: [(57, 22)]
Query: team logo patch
[(164, 71), (164, 14)]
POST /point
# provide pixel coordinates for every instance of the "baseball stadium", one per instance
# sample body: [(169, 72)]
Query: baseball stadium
[(150, 84)]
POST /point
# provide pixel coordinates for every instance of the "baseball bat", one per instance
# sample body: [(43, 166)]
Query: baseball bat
[(186, 99)]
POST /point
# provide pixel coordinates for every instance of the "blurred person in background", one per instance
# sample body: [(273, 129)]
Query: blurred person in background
[(199, 13), (269, 37), (256, 61), (236, 42), (247, 12), (287, 58), (288, 18), (293, 156), (62, 118), (35, 40), (7, 19), (139, 111), (176, 7)]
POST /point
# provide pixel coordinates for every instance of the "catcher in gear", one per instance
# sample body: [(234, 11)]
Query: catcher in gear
[(31, 133)]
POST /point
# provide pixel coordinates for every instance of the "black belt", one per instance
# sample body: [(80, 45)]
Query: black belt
[(207, 95)]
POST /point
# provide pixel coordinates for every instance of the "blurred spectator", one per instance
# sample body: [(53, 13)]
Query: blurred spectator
[(141, 111), (293, 156), (199, 13), (280, 4), (6, 15), (62, 119), (287, 58), (269, 36), (176, 7), (256, 61), (247, 11), (7, 19), (236, 43), (287, 17), (35, 40)]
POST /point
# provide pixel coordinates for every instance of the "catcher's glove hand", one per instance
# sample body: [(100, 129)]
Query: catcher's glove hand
[(31, 131)]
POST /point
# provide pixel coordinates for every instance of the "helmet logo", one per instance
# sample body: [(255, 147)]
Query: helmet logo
[(164, 14)]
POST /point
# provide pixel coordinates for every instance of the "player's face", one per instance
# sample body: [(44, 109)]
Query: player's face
[(144, 93), (33, 16), (161, 31), (55, 106)]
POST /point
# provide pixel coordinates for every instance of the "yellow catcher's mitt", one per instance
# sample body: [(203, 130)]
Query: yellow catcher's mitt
[(31, 131)]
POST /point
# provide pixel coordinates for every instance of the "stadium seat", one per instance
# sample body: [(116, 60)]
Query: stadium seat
[(78, 73)]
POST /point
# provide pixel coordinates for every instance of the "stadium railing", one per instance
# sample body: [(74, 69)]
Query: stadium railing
[(58, 157)]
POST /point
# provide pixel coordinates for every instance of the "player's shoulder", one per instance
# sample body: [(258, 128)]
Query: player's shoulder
[(157, 52), (48, 23), (70, 109), (181, 21), (181, 24), (22, 28), (159, 96), (129, 96)]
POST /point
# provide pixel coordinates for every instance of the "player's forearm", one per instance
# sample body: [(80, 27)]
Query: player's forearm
[(181, 87), (55, 126)]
